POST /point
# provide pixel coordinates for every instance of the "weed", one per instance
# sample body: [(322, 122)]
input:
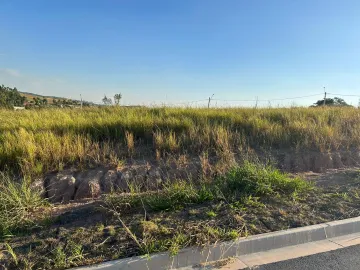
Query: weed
[(193, 212), (111, 230), (211, 214), (59, 257), (178, 241), (17, 200), (256, 180), (11, 252), (232, 234), (149, 227), (130, 142), (75, 253), (100, 227)]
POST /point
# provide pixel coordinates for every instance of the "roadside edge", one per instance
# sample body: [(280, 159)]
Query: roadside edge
[(241, 246)]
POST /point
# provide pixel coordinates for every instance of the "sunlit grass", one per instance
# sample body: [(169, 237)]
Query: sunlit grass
[(36, 141)]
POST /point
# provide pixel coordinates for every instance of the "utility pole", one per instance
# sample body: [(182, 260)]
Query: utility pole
[(210, 100), (324, 97), (81, 101), (256, 102)]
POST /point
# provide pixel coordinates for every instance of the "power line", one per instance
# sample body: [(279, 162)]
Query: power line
[(250, 100), (188, 102), (344, 95), (275, 99)]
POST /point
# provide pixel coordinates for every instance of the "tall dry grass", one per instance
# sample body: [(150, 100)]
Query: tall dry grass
[(37, 141)]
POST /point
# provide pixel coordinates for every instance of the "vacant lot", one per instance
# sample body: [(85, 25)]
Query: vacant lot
[(36, 142), (178, 177)]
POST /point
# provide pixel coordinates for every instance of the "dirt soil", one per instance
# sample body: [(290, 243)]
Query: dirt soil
[(87, 232)]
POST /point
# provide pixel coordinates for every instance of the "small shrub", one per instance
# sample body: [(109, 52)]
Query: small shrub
[(256, 180), (17, 200), (130, 142), (211, 214)]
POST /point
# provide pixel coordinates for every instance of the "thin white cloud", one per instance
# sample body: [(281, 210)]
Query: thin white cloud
[(10, 72)]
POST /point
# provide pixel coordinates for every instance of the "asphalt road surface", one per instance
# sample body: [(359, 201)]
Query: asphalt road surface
[(341, 259)]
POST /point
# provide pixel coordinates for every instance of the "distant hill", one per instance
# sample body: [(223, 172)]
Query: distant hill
[(50, 99), (30, 96)]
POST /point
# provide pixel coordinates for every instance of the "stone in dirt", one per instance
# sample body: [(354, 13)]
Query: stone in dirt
[(287, 163), (107, 183), (348, 159), (300, 165), (336, 157), (113, 180), (133, 177), (61, 187), (88, 184), (38, 186), (322, 162), (153, 179)]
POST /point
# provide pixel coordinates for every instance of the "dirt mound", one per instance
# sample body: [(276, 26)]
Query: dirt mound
[(138, 175), (317, 161)]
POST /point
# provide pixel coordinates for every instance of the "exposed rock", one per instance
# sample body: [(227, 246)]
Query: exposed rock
[(287, 163), (120, 183), (322, 162), (337, 163), (61, 187), (299, 165), (140, 176), (125, 179), (154, 179), (347, 159), (113, 181), (307, 162), (134, 178), (356, 158), (38, 186), (88, 184), (107, 183)]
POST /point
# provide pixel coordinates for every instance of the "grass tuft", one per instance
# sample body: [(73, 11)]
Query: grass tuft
[(17, 201)]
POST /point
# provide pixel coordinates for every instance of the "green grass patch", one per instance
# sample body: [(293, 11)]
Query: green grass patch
[(17, 201), (245, 184)]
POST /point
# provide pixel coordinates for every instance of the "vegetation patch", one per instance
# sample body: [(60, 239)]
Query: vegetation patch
[(216, 189), (35, 142), (249, 199)]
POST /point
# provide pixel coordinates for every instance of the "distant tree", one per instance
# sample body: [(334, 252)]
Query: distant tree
[(36, 101), (117, 98), (22, 100), (44, 101), (331, 102), (10, 97), (107, 101)]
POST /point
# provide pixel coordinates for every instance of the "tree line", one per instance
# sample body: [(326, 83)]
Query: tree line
[(108, 101), (10, 97)]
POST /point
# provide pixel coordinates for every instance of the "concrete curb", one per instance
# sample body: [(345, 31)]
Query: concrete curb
[(242, 246)]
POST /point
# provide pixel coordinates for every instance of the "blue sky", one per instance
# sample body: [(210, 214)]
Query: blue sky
[(178, 51)]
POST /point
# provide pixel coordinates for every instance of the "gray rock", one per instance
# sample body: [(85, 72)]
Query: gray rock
[(107, 183), (154, 179), (121, 183), (38, 186), (133, 178), (88, 184), (336, 157), (114, 181), (61, 188), (322, 162)]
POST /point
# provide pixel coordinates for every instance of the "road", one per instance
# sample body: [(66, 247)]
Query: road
[(341, 259)]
